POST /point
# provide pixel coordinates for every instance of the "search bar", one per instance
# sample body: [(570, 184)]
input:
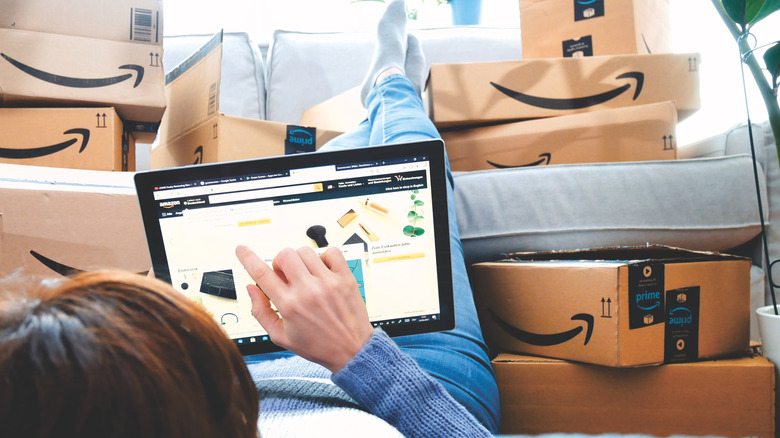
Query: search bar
[(265, 193)]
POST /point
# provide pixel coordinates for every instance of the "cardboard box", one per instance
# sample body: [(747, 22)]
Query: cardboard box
[(78, 138), (730, 397), (488, 92), (594, 28), (226, 138), (639, 133), (619, 307), (133, 21), (62, 221), (341, 112), (76, 71)]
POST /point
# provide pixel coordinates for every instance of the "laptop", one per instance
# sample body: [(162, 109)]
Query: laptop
[(384, 207)]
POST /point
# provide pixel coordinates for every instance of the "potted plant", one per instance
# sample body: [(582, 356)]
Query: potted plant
[(740, 16)]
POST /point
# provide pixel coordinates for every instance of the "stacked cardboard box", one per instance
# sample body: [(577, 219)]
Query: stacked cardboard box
[(193, 131), (105, 56), (69, 221), (631, 312), (588, 89)]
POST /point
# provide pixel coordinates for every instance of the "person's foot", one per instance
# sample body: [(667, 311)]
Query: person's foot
[(390, 50), (415, 67)]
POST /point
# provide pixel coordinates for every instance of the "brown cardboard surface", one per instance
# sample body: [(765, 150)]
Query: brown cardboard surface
[(227, 138), (730, 397), (76, 71), (137, 21), (53, 225), (192, 90), (603, 27), (616, 307), (645, 132), (471, 93), (341, 112), (79, 138)]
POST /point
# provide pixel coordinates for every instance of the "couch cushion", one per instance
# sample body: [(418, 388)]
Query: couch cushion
[(304, 69), (242, 88), (703, 204)]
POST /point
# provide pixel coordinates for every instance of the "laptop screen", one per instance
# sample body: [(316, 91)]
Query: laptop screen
[(384, 207)]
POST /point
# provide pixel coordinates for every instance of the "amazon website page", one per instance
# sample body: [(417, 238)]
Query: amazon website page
[(375, 213)]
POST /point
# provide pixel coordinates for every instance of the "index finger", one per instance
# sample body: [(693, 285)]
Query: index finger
[(260, 272)]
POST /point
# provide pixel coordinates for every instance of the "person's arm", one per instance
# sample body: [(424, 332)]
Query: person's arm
[(392, 386), (324, 319)]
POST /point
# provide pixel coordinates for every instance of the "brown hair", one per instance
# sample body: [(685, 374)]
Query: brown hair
[(114, 354)]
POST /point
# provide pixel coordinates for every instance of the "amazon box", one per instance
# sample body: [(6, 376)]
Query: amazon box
[(489, 92), (133, 21), (227, 138), (78, 138), (732, 397), (639, 133), (57, 222), (594, 27), (620, 307), (72, 71)]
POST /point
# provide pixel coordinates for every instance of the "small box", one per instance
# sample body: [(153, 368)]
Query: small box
[(639, 133), (732, 397), (226, 138), (489, 92), (594, 27), (64, 221), (341, 112), (78, 138), (617, 307), (76, 71), (133, 21)]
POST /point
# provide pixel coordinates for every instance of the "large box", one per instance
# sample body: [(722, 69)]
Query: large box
[(639, 133), (619, 307), (226, 138), (594, 27), (78, 138), (731, 397), (137, 21), (63, 221), (481, 92), (67, 70)]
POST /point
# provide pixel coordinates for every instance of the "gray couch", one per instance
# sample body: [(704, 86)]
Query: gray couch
[(705, 200)]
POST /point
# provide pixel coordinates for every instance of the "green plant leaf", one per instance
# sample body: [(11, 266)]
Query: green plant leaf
[(748, 12), (419, 203), (418, 231), (409, 230), (413, 197), (411, 216), (772, 60)]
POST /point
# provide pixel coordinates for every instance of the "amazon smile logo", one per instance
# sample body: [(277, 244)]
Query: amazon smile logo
[(198, 155), (546, 340), (64, 270), (544, 159), (21, 154), (577, 102), (66, 81)]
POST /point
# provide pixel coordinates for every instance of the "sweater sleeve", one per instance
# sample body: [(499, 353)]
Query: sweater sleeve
[(392, 386)]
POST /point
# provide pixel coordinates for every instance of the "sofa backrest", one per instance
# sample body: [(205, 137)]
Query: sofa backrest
[(304, 69)]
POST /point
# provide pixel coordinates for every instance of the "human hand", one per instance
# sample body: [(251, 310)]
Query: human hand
[(323, 318)]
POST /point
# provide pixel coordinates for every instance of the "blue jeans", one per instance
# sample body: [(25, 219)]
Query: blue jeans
[(458, 358)]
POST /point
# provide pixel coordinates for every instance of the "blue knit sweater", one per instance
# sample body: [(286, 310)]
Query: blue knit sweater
[(381, 392)]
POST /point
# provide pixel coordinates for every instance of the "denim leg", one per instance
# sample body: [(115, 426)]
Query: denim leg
[(457, 358)]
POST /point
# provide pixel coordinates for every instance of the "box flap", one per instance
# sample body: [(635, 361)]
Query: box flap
[(624, 253)]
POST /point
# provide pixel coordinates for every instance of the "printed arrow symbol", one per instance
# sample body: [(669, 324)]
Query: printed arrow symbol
[(64, 270), (66, 81), (546, 157), (47, 150), (576, 102), (198, 155), (546, 340)]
